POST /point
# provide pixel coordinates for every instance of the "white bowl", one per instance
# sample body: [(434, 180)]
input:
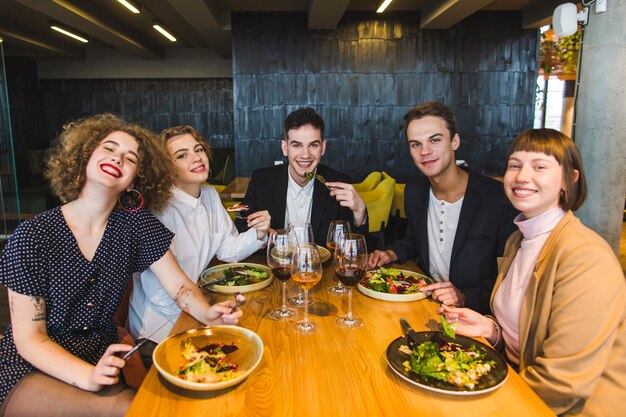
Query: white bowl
[(167, 357)]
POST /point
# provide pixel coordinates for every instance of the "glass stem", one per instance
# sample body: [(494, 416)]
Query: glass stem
[(349, 304), (284, 295), (306, 307)]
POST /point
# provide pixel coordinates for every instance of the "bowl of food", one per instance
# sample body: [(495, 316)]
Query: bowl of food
[(208, 358)]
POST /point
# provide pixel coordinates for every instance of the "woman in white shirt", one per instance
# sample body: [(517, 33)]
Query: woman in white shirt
[(203, 230), (559, 299)]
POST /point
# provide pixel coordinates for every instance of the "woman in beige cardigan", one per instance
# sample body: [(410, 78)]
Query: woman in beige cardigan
[(560, 297)]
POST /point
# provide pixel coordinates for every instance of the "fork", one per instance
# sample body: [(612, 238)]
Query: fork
[(240, 300), (318, 177)]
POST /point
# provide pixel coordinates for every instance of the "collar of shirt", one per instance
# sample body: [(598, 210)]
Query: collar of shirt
[(185, 198), (540, 224)]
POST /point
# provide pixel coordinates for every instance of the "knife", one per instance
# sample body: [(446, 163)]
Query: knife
[(411, 333), (147, 338)]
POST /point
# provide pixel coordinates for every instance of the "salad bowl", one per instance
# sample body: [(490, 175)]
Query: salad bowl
[(225, 288), (168, 355)]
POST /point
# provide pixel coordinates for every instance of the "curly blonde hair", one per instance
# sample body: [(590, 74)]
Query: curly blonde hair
[(67, 162)]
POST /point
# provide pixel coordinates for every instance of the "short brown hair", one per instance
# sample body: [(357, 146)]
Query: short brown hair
[(168, 134), (564, 150), (435, 109), (302, 117), (67, 164)]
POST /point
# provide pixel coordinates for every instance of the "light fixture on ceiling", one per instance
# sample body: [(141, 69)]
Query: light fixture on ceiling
[(130, 6), (383, 6), (163, 31), (66, 32)]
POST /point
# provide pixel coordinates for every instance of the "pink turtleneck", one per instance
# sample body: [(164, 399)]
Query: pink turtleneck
[(508, 298)]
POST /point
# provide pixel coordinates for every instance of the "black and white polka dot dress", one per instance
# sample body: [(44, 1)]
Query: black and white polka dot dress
[(42, 259)]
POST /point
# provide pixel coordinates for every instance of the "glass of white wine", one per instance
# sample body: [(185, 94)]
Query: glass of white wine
[(300, 233), (336, 231), (306, 271)]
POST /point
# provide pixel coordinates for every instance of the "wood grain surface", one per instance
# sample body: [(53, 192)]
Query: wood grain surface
[(335, 372)]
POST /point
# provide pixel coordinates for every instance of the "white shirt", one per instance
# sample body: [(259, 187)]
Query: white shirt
[(203, 229), (443, 219), (507, 301), (299, 202)]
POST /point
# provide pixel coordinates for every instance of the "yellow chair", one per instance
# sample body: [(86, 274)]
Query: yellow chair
[(369, 183), (378, 202)]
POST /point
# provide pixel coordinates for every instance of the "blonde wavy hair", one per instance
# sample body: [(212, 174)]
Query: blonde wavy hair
[(67, 162)]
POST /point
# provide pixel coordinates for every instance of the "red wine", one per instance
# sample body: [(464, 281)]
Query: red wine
[(349, 275), (283, 273)]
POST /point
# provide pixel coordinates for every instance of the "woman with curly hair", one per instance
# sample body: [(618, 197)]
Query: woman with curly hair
[(203, 229), (559, 300), (66, 270)]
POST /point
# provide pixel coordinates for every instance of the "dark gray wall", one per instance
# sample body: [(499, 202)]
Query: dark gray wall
[(39, 108), (363, 76)]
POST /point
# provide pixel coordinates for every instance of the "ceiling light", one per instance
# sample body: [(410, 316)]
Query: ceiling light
[(161, 29), (129, 6), (383, 6), (55, 26)]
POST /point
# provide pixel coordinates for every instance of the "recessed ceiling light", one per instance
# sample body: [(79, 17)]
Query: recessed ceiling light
[(383, 6), (66, 32), (163, 31), (129, 6)]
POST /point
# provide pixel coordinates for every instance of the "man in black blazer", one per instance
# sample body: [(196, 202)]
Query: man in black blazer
[(289, 196), (458, 221)]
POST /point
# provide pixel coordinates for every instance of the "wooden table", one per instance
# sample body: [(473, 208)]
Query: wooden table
[(236, 190), (335, 372)]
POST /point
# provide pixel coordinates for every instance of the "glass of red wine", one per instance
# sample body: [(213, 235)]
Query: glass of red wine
[(351, 256), (336, 232), (279, 255)]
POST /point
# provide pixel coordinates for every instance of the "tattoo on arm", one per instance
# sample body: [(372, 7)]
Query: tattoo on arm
[(40, 308), (183, 298)]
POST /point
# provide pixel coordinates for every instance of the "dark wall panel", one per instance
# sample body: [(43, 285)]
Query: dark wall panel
[(41, 107), (363, 76)]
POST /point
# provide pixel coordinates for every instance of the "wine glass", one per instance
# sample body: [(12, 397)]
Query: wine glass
[(279, 255), (351, 266), (301, 232), (336, 232), (306, 271)]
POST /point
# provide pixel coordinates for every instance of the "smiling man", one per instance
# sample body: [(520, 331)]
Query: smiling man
[(287, 193), (458, 221)]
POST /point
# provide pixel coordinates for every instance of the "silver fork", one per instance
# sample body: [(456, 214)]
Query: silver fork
[(240, 300)]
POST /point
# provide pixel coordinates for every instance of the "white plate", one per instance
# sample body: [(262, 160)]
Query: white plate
[(230, 289), (167, 356), (395, 297)]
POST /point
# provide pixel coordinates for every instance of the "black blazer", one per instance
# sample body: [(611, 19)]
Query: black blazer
[(485, 223), (268, 191)]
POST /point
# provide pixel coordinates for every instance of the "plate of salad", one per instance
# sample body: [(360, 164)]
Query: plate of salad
[(208, 358), (236, 277), (459, 366), (390, 284)]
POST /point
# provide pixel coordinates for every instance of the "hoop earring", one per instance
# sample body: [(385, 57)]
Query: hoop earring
[(126, 195)]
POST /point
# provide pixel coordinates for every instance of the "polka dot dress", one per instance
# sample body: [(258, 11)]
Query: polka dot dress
[(42, 259)]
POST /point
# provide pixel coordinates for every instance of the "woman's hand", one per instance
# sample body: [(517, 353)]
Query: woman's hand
[(445, 292), (260, 220), (470, 323), (108, 368), (220, 313)]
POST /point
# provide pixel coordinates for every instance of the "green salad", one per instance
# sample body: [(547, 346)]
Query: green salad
[(244, 275), (447, 361), (393, 281)]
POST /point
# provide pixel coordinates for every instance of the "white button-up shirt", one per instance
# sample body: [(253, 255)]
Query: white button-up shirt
[(299, 202), (203, 230), (443, 219)]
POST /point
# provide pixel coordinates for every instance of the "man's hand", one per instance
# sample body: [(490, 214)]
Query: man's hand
[(446, 293), (347, 196), (380, 258)]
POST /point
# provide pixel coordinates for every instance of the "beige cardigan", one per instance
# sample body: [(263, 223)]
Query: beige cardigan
[(572, 322)]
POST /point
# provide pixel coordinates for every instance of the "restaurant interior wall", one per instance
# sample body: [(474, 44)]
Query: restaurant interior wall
[(365, 74)]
